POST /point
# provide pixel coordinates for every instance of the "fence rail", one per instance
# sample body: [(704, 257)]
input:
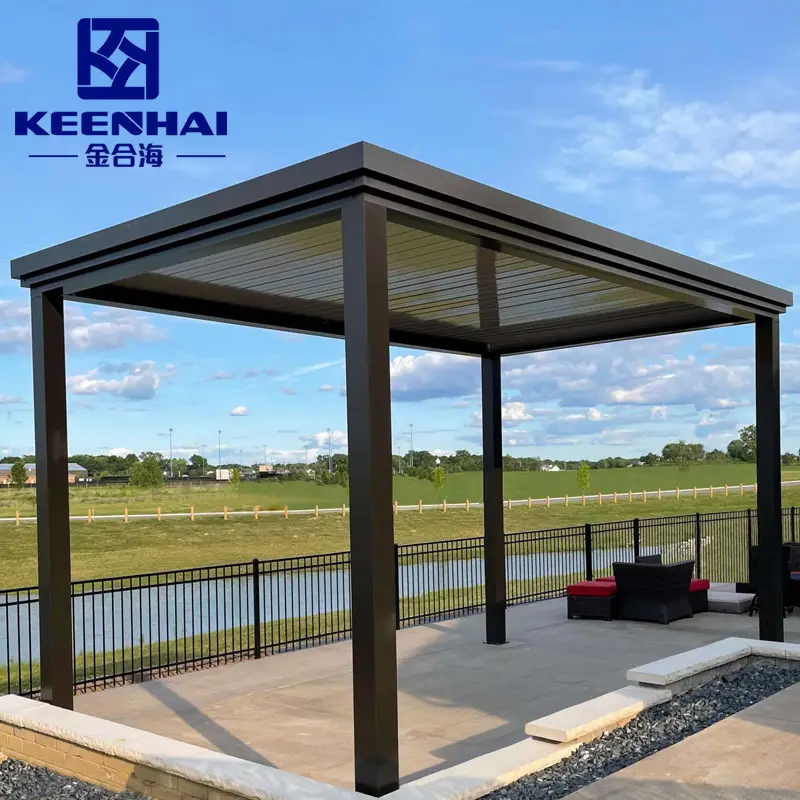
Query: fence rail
[(134, 627), (257, 512)]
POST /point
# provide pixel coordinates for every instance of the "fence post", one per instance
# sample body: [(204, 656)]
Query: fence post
[(741, 489), (637, 539), (677, 494), (397, 586), (726, 490), (659, 493), (89, 515), (583, 499), (395, 507), (158, 513), (255, 512), (126, 513), (794, 526), (256, 608), (548, 501), (18, 518), (566, 499), (286, 512), (468, 504), (225, 513), (191, 514), (530, 502), (444, 506), (749, 545), (698, 542), (587, 534), (316, 511), (710, 491), (509, 504), (644, 495), (615, 498), (599, 498), (630, 496), (420, 506), (695, 493)]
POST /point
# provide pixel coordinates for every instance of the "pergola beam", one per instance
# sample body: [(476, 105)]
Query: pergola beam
[(768, 470), (369, 435), (52, 497)]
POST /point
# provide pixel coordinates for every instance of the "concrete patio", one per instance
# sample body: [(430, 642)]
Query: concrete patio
[(458, 698)]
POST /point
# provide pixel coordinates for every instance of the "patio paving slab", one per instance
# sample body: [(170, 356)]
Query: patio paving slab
[(749, 756), (458, 698)]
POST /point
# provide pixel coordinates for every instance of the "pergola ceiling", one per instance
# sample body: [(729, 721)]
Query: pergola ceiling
[(470, 269), (436, 284)]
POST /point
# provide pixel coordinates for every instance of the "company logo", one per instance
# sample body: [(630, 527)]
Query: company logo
[(93, 64), (118, 59)]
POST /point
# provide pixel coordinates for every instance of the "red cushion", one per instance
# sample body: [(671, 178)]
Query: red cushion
[(699, 585), (592, 589), (607, 579)]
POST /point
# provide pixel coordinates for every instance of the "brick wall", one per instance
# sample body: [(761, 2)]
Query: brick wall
[(104, 770)]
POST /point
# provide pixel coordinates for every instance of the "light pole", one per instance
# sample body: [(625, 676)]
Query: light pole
[(170, 453), (412, 443), (330, 457), (219, 449), (241, 457), (306, 455), (203, 457), (265, 455)]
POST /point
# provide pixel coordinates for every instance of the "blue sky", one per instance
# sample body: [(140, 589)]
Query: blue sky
[(676, 123)]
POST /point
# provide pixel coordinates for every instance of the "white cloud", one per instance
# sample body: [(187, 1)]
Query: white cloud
[(8, 399), (120, 452), (555, 65), (239, 411), (338, 440), (308, 370), (9, 73), (138, 381), (287, 390), (326, 387), (433, 375), (641, 127), (102, 329), (222, 376)]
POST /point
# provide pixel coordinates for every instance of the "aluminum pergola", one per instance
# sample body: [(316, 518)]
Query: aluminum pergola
[(380, 249)]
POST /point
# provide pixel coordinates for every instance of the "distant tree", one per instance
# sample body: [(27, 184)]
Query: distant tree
[(650, 459), (584, 478), (19, 475), (341, 475), (744, 448), (147, 473), (236, 477), (716, 455), (196, 465), (438, 478), (682, 454)]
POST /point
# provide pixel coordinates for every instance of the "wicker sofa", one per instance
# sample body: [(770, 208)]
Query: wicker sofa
[(653, 592)]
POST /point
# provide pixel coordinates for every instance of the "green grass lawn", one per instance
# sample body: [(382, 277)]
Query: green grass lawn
[(110, 548), (272, 495)]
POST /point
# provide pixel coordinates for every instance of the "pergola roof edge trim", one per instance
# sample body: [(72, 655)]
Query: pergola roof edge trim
[(363, 166)]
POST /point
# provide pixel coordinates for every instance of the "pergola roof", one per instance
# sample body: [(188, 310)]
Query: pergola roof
[(471, 269)]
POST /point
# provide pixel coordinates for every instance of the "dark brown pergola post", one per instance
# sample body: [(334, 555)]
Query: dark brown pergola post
[(768, 472), (366, 313), (52, 497), (493, 528)]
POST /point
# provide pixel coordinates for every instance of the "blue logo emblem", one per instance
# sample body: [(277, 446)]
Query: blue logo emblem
[(133, 74)]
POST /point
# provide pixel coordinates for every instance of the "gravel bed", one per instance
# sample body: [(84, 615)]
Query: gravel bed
[(19, 781), (653, 730)]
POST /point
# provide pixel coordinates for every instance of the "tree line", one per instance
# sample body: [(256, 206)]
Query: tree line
[(149, 468)]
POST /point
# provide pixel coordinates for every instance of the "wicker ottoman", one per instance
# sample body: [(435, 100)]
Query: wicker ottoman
[(591, 599)]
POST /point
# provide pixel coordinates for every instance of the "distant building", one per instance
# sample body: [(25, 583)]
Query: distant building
[(76, 474), (551, 468)]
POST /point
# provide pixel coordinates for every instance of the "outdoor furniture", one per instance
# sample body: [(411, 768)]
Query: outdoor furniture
[(653, 592), (791, 588), (654, 559), (591, 599), (698, 595)]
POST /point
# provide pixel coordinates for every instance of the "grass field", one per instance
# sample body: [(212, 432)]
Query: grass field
[(272, 495), (109, 548)]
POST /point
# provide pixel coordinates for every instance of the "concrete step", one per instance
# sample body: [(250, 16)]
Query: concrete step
[(729, 602), (590, 719)]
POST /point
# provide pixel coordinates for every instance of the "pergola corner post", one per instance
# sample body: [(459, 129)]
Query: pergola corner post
[(52, 497), (493, 525), (373, 614), (768, 472)]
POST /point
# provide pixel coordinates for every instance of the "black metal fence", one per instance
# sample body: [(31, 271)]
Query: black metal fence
[(135, 627)]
